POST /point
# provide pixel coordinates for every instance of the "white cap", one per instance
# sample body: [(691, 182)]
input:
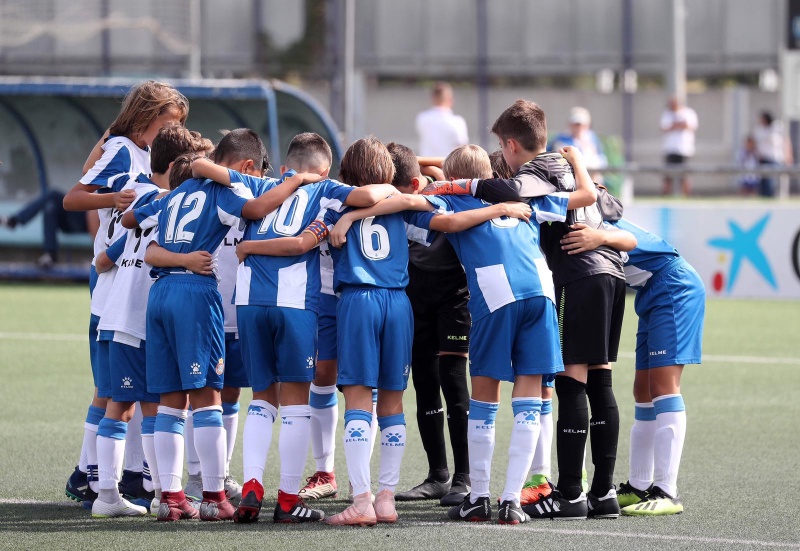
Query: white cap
[(580, 115)]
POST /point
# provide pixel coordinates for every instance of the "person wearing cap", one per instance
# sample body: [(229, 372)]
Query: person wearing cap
[(579, 134)]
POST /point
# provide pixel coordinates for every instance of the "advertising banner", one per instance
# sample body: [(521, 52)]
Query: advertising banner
[(739, 251)]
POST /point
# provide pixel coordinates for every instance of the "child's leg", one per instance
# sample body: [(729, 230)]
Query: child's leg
[(481, 433), (604, 429), (324, 404), (111, 449), (643, 433), (541, 466), (571, 429), (134, 455), (670, 426), (230, 420), (168, 439), (357, 440), (209, 437), (150, 479), (257, 438), (295, 437), (527, 405), (392, 423)]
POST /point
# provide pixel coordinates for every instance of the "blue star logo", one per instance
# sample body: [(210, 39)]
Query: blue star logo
[(743, 244)]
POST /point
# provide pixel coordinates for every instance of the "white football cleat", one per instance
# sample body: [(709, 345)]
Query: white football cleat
[(122, 508)]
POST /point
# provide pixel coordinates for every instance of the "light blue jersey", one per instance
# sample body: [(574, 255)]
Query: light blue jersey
[(651, 255), (193, 217), (288, 281), (376, 251), (501, 257)]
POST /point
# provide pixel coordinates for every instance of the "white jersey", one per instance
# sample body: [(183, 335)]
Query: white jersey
[(440, 131), (125, 306), (121, 160), (227, 266), (680, 142)]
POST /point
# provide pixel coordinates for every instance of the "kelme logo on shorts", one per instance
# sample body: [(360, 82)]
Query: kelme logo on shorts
[(220, 369), (127, 383), (195, 369)]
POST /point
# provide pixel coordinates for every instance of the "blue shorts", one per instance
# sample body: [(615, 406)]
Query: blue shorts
[(185, 335), (93, 322), (375, 332), (102, 365), (235, 373), (278, 344), (129, 373), (671, 308), (326, 327), (520, 338)]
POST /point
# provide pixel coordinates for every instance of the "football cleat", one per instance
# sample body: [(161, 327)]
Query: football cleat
[(154, 505), (319, 485), (360, 513), (299, 512), (385, 510), (174, 506), (215, 506), (480, 511), (130, 484), (233, 490), (78, 486), (532, 492), (459, 489), (194, 487), (144, 498), (556, 506), (603, 507), (429, 489), (511, 513), (628, 495), (122, 508), (250, 505), (658, 503)]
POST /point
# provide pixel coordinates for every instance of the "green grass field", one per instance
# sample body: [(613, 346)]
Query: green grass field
[(738, 478)]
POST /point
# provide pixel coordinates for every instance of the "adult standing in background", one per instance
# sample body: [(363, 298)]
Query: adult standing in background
[(772, 149), (580, 135), (678, 124), (440, 130)]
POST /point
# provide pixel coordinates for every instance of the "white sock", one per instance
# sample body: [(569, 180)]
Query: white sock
[(192, 459), (150, 473), (643, 434), (480, 436), (324, 404), (293, 445), (168, 441), (668, 442), (373, 426), (524, 435), (542, 457), (393, 446), (134, 455), (209, 440), (110, 456), (230, 420), (89, 446), (358, 448), (257, 438)]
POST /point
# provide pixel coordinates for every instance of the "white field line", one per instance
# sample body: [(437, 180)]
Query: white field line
[(65, 503), (710, 358), (630, 535)]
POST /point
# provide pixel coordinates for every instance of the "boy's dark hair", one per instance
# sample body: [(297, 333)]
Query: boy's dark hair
[(366, 162), (182, 169), (500, 166), (308, 151), (405, 164), (241, 144), (524, 122), (173, 140)]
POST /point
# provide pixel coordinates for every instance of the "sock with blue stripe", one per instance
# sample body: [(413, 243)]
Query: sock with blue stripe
[(668, 442), (209, 440), (134, 454), (358, 448), (192, 459), (643, 433), (110, 456), (293, 444), (393, 446), (257, 438), (150, 479), (89, 447), (324, 404), (524, 436), (542, 457), (480, 434), (168, 443), (373, 427), (230, 420)]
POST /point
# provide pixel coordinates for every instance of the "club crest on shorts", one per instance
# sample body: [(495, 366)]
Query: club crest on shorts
[(220, 369)]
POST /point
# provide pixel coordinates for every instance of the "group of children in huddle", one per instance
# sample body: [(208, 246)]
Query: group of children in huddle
[(209, 277)]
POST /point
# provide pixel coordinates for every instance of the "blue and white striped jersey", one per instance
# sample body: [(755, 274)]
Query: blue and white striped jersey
[(288, 281), (651, 255), (193, 217), (376, 251), (501, 257), (121, 160)]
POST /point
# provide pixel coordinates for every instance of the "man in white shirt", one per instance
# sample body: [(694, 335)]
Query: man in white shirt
[(439, 129), (679, 124)]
